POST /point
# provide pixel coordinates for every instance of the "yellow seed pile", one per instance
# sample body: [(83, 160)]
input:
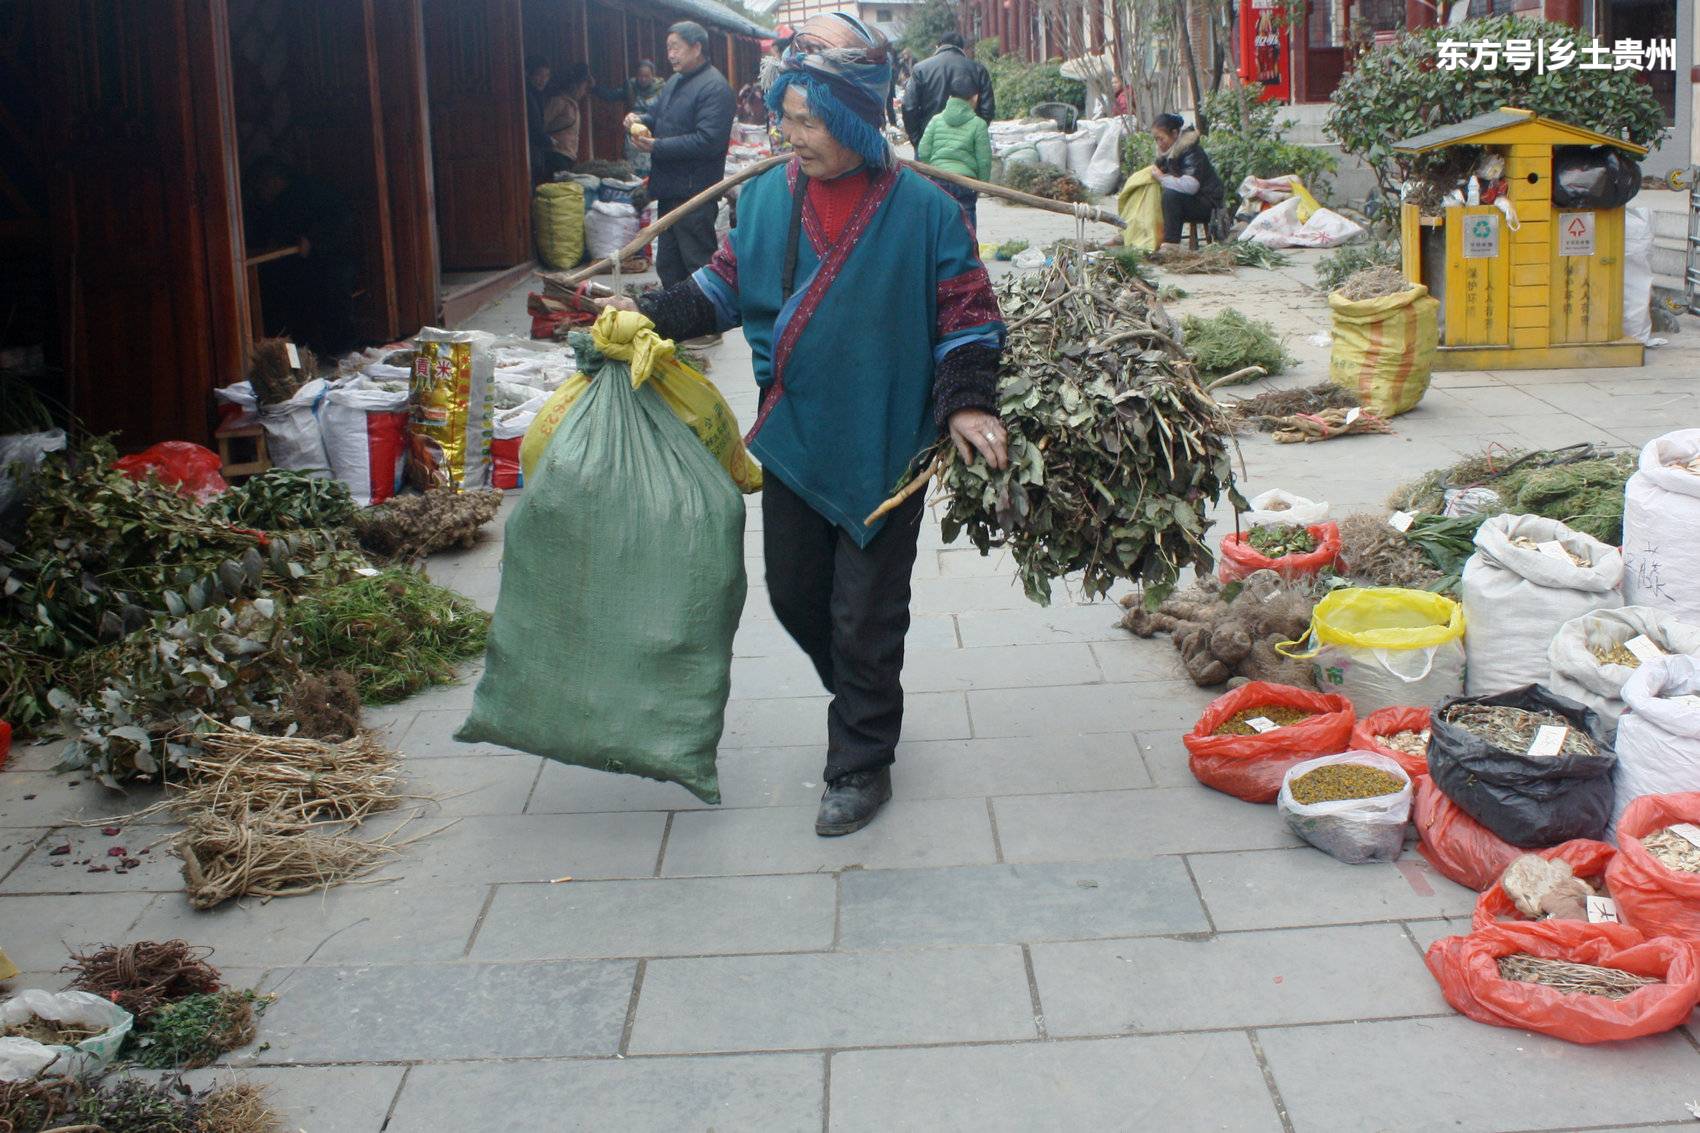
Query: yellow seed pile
[(1340, 781), (1616, 655), (1236, 725)]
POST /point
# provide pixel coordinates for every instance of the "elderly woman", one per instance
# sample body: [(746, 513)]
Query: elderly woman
[(1191, 189), (873, 329)]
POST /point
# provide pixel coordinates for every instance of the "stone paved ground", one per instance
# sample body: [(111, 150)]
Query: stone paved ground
[(1053, 926)]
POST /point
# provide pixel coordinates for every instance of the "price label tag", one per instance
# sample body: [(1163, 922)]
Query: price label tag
[(1549, 739), (1262, 724), (366, 572), (294, 355), (1353, 415), (1644, 648), (1401, 521), (1602, 910), (1688, 832), (1553, 549)]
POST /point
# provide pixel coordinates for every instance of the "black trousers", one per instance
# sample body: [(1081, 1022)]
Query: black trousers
[(1178, 208), (686, 246), (848, 607)]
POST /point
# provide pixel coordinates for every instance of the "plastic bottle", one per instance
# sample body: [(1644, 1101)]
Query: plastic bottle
[(1474, 195)]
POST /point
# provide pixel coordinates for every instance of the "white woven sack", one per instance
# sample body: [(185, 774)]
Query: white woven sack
[(1516, 599), (1661, 528), (1658, 736), (1582, 676)]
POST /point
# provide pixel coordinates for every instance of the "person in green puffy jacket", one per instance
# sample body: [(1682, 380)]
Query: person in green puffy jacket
[(957, 141)]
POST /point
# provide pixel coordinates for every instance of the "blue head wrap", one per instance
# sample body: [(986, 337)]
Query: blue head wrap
[(844, 67)]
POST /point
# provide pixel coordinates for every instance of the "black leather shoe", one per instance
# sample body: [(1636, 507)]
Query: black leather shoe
[(851, 801)]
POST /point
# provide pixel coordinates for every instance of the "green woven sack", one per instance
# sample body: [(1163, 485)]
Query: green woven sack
[(622, 584), (557, 217)]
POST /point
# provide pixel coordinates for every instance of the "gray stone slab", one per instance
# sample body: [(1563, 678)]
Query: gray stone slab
[(1133, 824), (16, 844), (32, 757), (778, 1092), (392, 1013), (807, 1002), (350, 924), (44, 798), (1085, 708), (322, 1099), (1016, 766), (802, 720), (475, 784), (1452, 1073), (1165, 757), (960, 562), (40, 932), (662, 917), (907, 833), (1013, 904), (784, 776), (431, 735), (1497, 401), (1014, 666), (1243, 979), (531, 847), (1427, 932), (1138, 659), (1000, 591), (1171, 1082), (1282, 888), (79, 871), (776, 676), (1040, 625)]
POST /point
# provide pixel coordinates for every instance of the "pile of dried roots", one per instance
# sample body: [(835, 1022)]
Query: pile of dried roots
[(1115, 449), (413, 526), (144, 976), (1230, 634), (1268, 411)]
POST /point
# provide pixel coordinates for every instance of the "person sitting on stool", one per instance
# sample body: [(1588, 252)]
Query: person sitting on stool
[(1191, 189)]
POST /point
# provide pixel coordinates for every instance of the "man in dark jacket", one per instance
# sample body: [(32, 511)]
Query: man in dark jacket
[(930, 83), (1191, 189), (690, 126)]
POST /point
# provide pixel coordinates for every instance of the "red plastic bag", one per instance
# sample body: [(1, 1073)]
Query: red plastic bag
[(1456, 845), (1251, 767), (190, 468), (1468, 972), (1588, 860), (1239, 560), (5, 742), (1385, 722), (1651, 896), (504, 459)]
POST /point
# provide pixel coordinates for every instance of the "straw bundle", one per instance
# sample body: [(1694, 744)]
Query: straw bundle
[(241, 773), (1572, 979), (269, 855)]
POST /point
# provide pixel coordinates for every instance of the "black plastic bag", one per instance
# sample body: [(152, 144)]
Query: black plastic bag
[(1593, 177), (1530, 801)]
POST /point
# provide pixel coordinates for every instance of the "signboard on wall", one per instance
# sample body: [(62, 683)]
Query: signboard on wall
[(1266, 48), (1481, 236)]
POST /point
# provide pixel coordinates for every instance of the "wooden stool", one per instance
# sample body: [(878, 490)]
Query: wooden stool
[(1192, 228), (258, 461)]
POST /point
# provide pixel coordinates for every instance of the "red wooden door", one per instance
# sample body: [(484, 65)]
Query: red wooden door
[(141, 156), (474, 63), (334, 96), (407, 160)]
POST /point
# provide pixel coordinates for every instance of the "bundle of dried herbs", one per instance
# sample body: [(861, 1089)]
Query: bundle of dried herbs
[(1672, 850), (271, 855), (1374, 283), (1251, 254), (193, 1031), (280, 499), (1222, 632), (1372, 551), (1042, 179), (1240, 723), (1277, 540), (1229, 341), (395, 631), (1308, 428), (1409, 742), (37, 1104), (1573, 979), (136, 1105), (274, 376), (1338, 782), (1116, 451), (1580, 485), (144, 976), (413, 526), (1513, 729), (1267, 410)]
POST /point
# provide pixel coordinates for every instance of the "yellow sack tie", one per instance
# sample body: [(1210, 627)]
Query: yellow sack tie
[(629, 336)]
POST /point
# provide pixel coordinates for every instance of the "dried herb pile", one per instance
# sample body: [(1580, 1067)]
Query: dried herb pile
[(135, 1105), (1408, 742), (1116, 451), (1228, 341), (1672, 850), (1579, 485), (410, 527), (1267, 410), (1572, 979), (1239, 724), (1339, 782), (194, 1031), (144, 976), (1223, 632), (1374, 283), (1513, 729), (1278, 540), (1042, 179)]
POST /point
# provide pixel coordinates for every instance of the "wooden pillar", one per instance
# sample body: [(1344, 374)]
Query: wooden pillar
[(1565, 12), (1420, 14)]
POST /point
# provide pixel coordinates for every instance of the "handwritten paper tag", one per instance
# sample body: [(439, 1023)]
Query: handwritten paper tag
[(1549, 739), (1553, 549), (1401, 521), (1644, 648), (294, 355), (1602, 910), (366, 572), (1262, 724), (1353, 415), (1688, 832)]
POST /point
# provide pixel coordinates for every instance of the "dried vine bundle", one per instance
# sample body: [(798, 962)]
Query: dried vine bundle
[(270, 855), (1116, 451), (38, 1104), (144, 976), (411, 527), (1572, 979), (1513, 729), (240, 773), (1307, 428), (1672, 851), (1267, 410)]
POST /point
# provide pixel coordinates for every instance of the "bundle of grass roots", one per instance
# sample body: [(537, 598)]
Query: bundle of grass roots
[(1115, 449), (272, 374), (1374, 283), (1228, 341), (1042, 179), (144, 976), (395, 632), (411, 527)]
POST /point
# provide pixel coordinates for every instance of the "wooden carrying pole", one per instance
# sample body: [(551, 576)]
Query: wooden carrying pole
[(571, 279)]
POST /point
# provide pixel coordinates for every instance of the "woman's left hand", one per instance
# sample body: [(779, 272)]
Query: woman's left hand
[(975, 430)]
